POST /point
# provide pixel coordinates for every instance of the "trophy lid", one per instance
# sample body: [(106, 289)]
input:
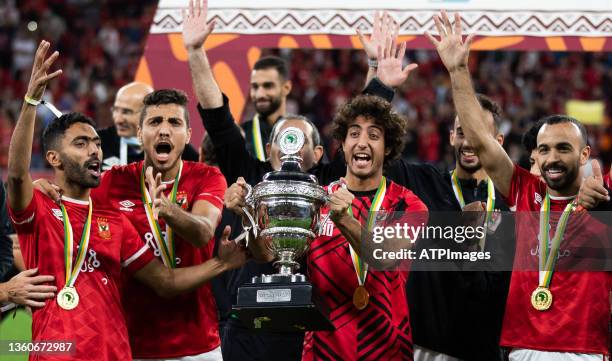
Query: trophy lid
[(291, 141)]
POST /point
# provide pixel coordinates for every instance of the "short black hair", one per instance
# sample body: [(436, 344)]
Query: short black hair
[(379, 110), (492, 107), (530, 138), (165, 96), (275, 62), (562, 118), (58, 126), (315, 136)]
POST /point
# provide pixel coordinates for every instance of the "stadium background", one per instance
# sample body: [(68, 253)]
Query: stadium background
[(102, 47)]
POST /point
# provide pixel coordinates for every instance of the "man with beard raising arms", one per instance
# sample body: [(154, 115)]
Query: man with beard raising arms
[(549, 315), (87, 310)]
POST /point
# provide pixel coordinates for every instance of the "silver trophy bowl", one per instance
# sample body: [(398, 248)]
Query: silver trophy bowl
[(284, 210)]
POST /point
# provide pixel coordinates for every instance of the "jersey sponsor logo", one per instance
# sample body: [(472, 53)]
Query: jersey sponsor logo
[(126, 205), (537, 198), (181, 200), (92, 263), (150, 241), (57, 213), (103, 228)]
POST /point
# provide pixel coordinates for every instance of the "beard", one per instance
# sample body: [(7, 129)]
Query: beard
[(565, 180), (468, 167), (266, 110), (79, 174)]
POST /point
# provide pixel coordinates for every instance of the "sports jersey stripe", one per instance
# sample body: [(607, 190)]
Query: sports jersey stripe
[(135, 256), (329, 350), (375, 301), (331, 281), (404, 323), (318, 248), (366, 339)]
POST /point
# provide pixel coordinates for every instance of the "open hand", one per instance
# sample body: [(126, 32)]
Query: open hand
[(195, 27), (28, 289), (39, 77), (232, 254), (451, 47)]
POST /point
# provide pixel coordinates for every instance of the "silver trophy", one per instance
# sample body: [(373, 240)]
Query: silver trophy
[(284, 215)]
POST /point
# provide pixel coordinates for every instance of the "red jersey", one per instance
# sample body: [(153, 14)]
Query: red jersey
[(381, 331), (607, 181), (578, 319), (97, 325), (187, 324)]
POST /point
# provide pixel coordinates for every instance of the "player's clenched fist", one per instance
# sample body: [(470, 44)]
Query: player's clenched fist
[(339, 203), (235, 195)]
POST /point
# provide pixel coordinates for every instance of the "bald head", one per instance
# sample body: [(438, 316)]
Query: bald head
[(128, 106)]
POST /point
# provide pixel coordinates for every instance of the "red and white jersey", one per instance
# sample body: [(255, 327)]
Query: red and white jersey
[(578, 319), (187, 324), (381, 331), (97, 325)]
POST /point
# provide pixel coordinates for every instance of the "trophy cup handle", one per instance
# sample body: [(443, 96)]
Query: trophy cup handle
[(247, 213), (329, 191)]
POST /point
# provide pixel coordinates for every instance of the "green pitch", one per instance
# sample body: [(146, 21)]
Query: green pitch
[(14, 329)]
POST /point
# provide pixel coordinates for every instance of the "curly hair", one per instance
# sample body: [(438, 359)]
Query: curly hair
[(381, 111)]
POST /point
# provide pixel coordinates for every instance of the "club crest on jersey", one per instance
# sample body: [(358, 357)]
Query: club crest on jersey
[(104, 228), (181, 200)]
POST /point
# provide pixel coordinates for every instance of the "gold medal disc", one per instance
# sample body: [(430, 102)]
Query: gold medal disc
[(361, 298), (541, 298), (68, 298)]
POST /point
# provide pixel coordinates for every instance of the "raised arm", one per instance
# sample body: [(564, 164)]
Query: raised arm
[(19, 182), (454, 52), (169, 282), (195, 32)]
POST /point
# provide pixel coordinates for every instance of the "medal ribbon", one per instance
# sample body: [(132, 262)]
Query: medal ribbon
[(257, 142), (72, 272), (165, 245), (490, 199), (548, 254), (361, 268)]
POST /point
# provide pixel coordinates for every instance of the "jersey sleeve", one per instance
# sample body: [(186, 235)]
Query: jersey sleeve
[(521, 179), (24, 220), (212, 187), (135, 254)]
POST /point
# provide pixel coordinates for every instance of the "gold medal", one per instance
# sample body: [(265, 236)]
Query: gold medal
[(68, 298), (541, 298), (361, 297)]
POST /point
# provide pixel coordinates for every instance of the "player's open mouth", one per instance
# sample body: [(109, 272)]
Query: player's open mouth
[(468, 155), (555, 173), (93, 168), (162, 151), (361, 160)]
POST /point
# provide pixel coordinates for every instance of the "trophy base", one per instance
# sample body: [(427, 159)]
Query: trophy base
[(281, 306)]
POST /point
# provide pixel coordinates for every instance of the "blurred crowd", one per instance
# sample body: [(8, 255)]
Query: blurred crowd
[(100, 41), (528, 85)]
